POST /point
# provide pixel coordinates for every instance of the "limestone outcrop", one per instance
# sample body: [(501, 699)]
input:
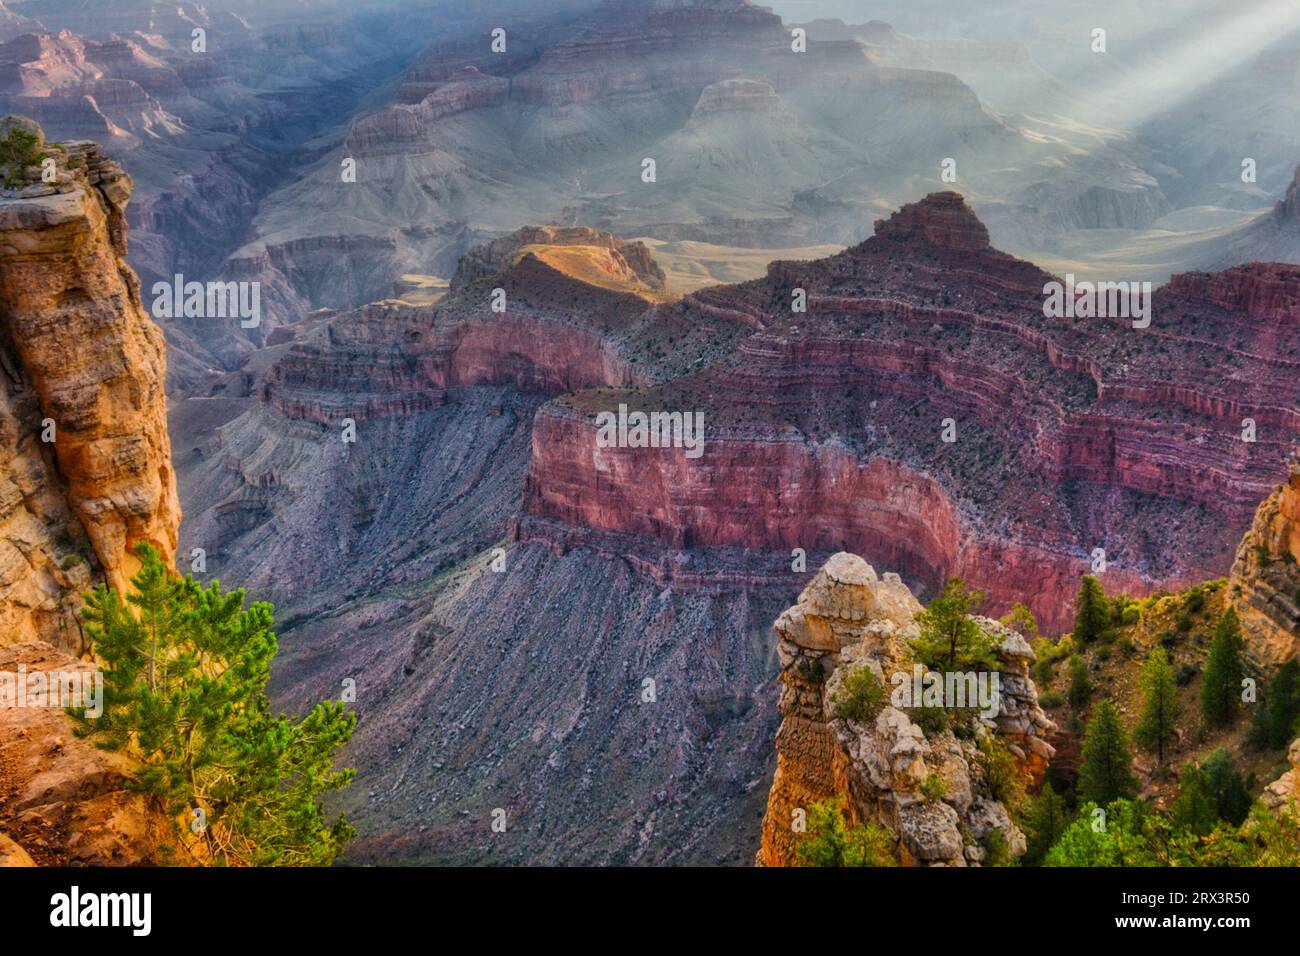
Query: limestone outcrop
[(848, 618), (1266, 577)]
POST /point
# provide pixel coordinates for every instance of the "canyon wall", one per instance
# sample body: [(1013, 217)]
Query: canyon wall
[(1266, 577), (85, 475), (823, 430), (477, 443), (86, 411)]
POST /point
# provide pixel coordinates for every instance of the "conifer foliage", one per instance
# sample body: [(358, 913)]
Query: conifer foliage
[(1155, 729), (1091, 614), (1221, 690), (185, 671), (1106, 774)]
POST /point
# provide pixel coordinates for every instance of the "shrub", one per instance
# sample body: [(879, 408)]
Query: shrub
[(1001, 773), (18, 150), (934, 788), (1021, 619), (185, 670), (860, 697), (996, 851), (931, 720), (831, 841), (1080, 683), (1050, 699)]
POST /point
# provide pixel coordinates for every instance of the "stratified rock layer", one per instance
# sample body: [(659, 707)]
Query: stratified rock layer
[(825, 429), (847, 618), (87, 369), (1266, 577)]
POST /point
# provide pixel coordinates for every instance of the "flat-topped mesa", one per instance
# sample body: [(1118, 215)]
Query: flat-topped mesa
[(1266, 577), (565, 289), (83, 402), (940, 219), (588, 254), (847, 619)]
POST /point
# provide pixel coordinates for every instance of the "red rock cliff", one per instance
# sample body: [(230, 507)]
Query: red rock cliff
[(87, 472), (1071, 434)]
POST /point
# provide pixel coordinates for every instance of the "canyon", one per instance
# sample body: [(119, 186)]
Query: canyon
[(521, 582), (755, 144), (404, 457)]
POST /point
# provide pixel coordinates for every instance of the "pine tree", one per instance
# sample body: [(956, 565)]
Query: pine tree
[(1194, 809), (1106, 773), (1221, 689), (1231, 792), (1092, 612), (1155, 729), (1044, 823), (1275, 714), (1080, 683), (950, 640), (832, 841), (185, 671)]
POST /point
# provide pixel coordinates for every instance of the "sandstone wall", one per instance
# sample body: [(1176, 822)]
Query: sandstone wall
[(82, 358)]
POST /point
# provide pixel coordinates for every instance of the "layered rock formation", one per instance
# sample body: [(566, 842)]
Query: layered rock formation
[(567, 293), (627, 265), (758, 141), (1266, 577), (85, 475), (823, 429), (203, 133), (846, 619), (87, 414), (1272, 237)]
